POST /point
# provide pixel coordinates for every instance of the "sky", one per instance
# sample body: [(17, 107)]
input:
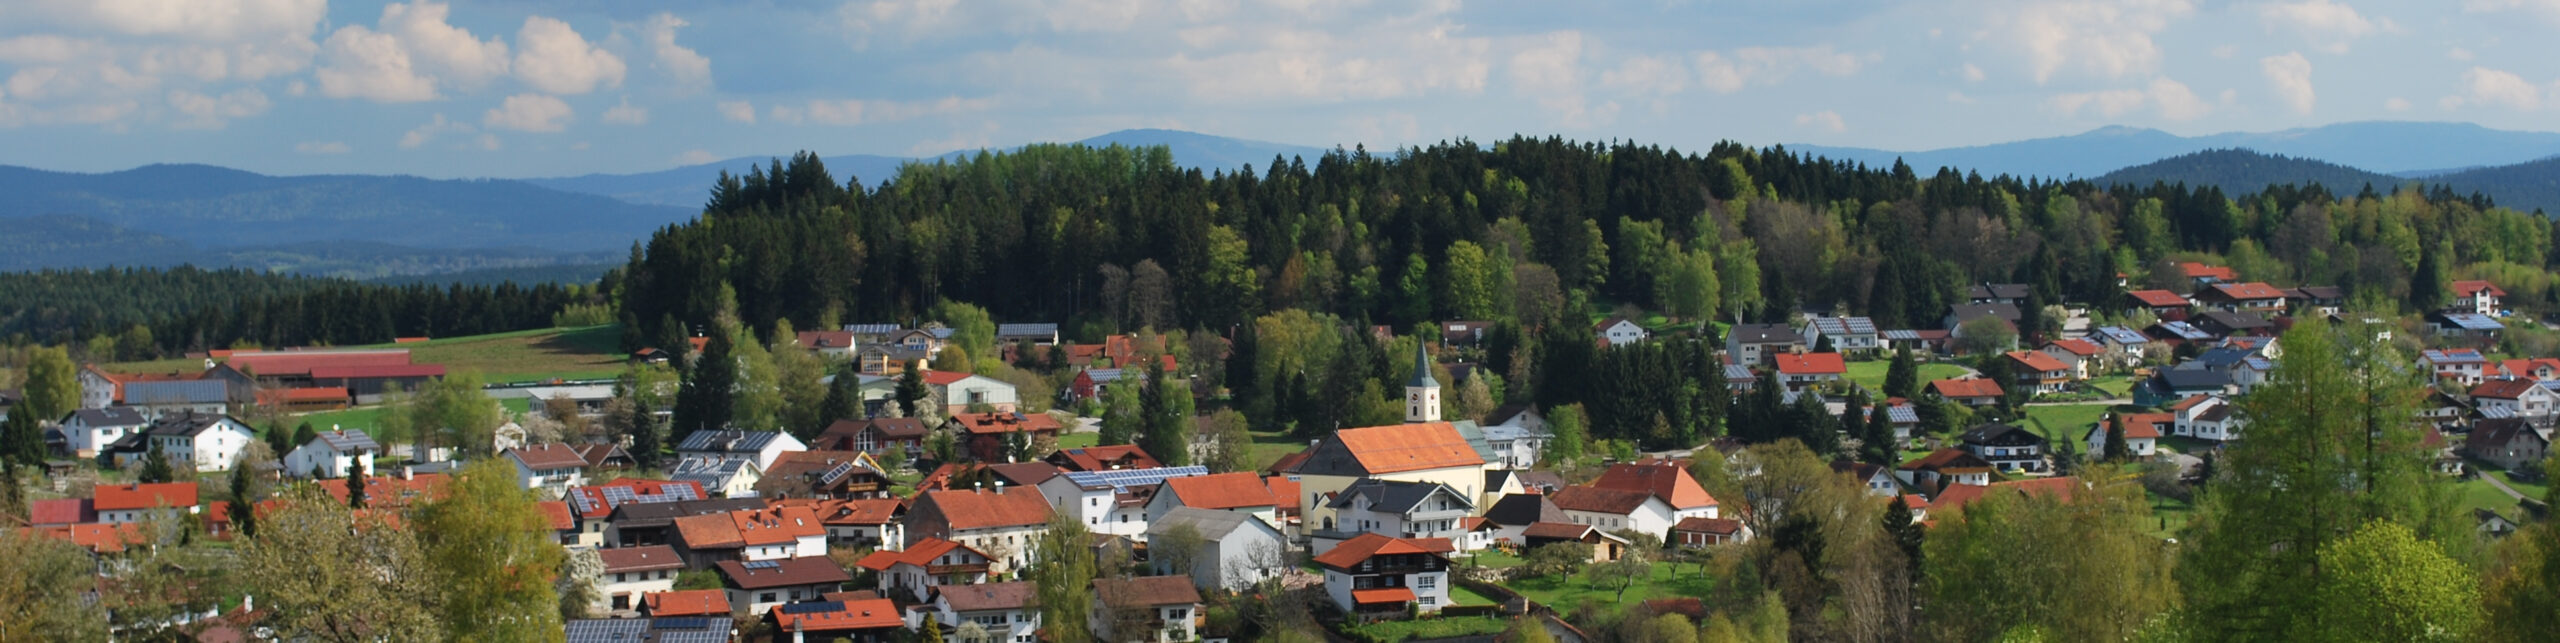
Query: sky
[(481, 88)]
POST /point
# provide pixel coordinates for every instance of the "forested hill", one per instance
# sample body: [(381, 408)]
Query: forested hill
[(2524, 186), (211, 208), (2239, 171), (148, 312)]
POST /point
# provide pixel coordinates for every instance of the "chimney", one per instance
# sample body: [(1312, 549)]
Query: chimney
[(407, 473), (999, 487)]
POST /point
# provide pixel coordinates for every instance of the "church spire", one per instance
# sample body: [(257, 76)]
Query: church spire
[(1422, 394)]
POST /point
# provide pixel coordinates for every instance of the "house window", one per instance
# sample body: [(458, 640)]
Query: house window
[(1427, 582), (766, 597), (1427, 600)]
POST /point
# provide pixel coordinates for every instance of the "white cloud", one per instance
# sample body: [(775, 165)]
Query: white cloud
[(2328, 26), (1397, 59), (857, 111), (413, 55), (2548, 9), (695, 157), (2396, 104), (322, 147), (2170, 99), (2108, 39), (1648, 75), (1825, 120), (529, 113), (2290, 76), (626, 114), (486, 142), (423, 134), (690, 70), (212, 112), (2485, 86), (1549, 73), (1973, 73), (1726, 73), (2459, 54), (738, 111), (552, 57)]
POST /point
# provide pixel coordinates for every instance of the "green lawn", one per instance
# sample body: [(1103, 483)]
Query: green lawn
[(369, 418), (1565, 593), (2534, 490), (1494, 558), (1429, 628), (2118, 385), (1871, 374), (1079, 440), (2065, 420), (2169, 515), (1460, 595), (1269, 447), (522, 356)]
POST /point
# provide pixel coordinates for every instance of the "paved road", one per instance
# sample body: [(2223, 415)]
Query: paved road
[(2501, 485), (2108, 401)]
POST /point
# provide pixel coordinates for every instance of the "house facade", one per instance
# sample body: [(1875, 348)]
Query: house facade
[(1004, 525), (1372, 576), (88, 431), (206, 442), (2009, 448), (1755, 344), (1236, 550), (332, 454)]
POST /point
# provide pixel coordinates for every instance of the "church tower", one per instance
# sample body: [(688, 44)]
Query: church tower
[(1422, 395)]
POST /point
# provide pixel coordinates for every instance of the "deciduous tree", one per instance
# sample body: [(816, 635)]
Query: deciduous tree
[(493, 556)]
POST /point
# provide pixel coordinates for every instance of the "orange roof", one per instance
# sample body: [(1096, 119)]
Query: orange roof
[(2525, 367), (2474, 286), (999, 423), (691, 602), (2251, 290), (2144, 425), (96, 537), (1967, 387), (1408, 447), (877, 613), (975, 509), (2037, 361), (2158, 298), (709, 531), (2190, 402), (2504, 389), (1285, 491), (549, 456), (943, 378), (1915, 501), (776, 525), (2080, 347), (920, 554), (1811, 364), (2194, 270), (1359, 548), (866, 511), (145, 496), (554, 512), (1223, 491), (1957, 496), (1665, 479), (1386, 595)]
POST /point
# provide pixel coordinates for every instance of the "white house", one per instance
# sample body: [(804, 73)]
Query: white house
[(1241, 492), (925, 565), (1618, 331), (2526, 399), (1236, 550), (1615, 509), (2206, 418), (551, 467), (634, 572), (1518, 439), (2141, 434), (1167, 606), (331, 454), (124, 503), (2458, 364), (728, 478), (210, 442), (1877, 479), (760, 447), (1006, 527), (959, 391), (1848, 335), (159, 398), (2477, 296), (1111, 502), (1008, 612), (87, 431), (1401, 509), (1379, 575)]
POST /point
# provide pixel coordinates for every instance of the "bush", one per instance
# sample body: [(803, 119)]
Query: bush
[(1427, 628)]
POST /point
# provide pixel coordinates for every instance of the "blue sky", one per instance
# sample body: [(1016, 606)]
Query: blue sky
[(559, 87)]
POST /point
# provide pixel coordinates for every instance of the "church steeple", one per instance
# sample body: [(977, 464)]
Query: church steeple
[(1422, 395)]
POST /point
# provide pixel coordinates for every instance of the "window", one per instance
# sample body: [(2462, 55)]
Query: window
[(1426, 582), (1427, 600), (766, 597)]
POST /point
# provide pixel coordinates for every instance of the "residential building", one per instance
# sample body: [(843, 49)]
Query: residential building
[(1424, 452), (207, 442), (2462, 365), (636, 524), (2227, 323), (1968, 312), (1512, 514), (1704, 532), (1235, 550), (88, 431), (835, 345), (990, 437), (690, 602), (2252, 297), (1848, 335), (2478, 297), (2206, 417), (2040, 373), (2160, 303), (1755, 344), (2142, 433), (331, 454), (2526, 399), (2124, 346), (2207, 275), (2169, 385), (1877, 480), (1241, 492), (965, 393), (1949, 466), (658, 630), (1112, 502), (2507, 443), (823, 474), (1620, 331), (2011, 294), (759, 585), (1810, 370), (1401, 509), (759, 447), (1154, 609), (1035, 334), (633, 572), (1007, 526), (873, 620), (863, 523), (549, 467), (594, 505), (2007, 447), (2308, 301), (925, 566), (161, 398), (1372, 576), (137, 502), (1518, 437), (875, 436), (1969, 391), (1008, 612), (1102, 458), (2082, 355), (2472, 327)]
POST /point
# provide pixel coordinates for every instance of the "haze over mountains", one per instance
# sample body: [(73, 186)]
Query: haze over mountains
[(570, 227)]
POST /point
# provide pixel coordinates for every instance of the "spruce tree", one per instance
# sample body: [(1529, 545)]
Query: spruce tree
[(703, 402), (301, 435), (244, 504), (155, 466), (279, 440), (1902, 377), (21, 440), (355, 488), (2117, 449), (911, 391)]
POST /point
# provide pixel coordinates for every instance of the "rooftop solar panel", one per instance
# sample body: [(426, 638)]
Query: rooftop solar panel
[(806, 608)]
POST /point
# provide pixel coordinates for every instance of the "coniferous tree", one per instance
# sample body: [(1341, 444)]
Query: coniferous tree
[(21, 440), (648, 439), (279, 440), (2117, 449), (155, 466), (302, 435), (704, 401), (1169, 420), (1902, 376), (912, 392), (243, 509), (356, 490)]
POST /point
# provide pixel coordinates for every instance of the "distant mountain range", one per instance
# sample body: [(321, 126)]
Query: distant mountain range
[(2387, 147), (414, 229), (689, 186)]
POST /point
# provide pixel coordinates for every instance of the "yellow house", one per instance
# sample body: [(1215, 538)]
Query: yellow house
[(1418, 452)]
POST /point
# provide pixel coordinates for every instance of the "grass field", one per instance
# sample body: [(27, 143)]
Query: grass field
[(1079, 440), (523, 356), (1269, 447), (369, 418), (1565, 593), (1460, 595), (1870, 374), (1430, 628), (2065, 420)]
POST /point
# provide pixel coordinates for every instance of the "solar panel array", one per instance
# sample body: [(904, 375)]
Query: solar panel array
[(762, 564), (837, 473), (1123, 479), (606, 630), (808, 608)]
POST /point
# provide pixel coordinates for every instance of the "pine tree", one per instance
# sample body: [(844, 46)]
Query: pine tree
[(647, 438), (244, 504), (155, 466), (704, 401), (911, 392), (301, 435), (1168, 407), (2117, 449), (355, 487), (844, 398), (1902, 377), (279, 441), (21, 440), (1907, 535)]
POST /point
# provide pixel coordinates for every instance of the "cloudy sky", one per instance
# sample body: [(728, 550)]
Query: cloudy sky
[(557, 87)]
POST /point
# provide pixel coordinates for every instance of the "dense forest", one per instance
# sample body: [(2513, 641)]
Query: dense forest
[(152, 312)]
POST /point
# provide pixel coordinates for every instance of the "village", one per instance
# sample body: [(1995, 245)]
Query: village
[(922, 517)]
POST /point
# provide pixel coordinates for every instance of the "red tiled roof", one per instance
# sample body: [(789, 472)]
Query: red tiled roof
[(943, 378), (640, 559), (2251, 290), (1665, 479), (1102, 458), (2158, 298), (1719, 526), (866, 511), (2474, 286), (920, 554), (63, 511), (1359, 548), (2525, 367), (97, 537), (178, 495), (1617, 502), (554, 513), (872, 614), (2080, 347), (1222, 491), (281, 363), (1915, 501), (1408, 447), (2194, 270), (1385, 595), (2504, 389), (691, 602), (710, 531), (1967, 387), (2037, 361), (998, 423), (776, 525), (1556, 530), (1285, 491), (1146, 590), (1957, 496), (975, 509), (1811, 364), (385, 371), (2144, 425), (2190, 402), (823, 339)]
